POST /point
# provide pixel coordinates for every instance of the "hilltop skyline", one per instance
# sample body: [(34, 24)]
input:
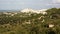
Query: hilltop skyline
[(33, 4)]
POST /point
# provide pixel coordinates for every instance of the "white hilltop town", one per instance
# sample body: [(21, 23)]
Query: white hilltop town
[(27, 10), (42, 11)]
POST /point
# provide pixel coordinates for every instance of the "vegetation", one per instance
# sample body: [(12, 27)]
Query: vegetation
[(31, 23)]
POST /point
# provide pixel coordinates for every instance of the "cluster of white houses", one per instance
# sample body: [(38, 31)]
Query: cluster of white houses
[(42, 11)]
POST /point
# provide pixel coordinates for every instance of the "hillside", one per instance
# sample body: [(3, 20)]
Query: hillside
[(29, 21)]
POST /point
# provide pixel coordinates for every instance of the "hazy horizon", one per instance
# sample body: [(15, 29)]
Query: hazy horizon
[(33, 4)]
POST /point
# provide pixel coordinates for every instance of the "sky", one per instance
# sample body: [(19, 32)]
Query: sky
[(33, 4)]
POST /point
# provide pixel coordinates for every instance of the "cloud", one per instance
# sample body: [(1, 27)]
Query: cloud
[(56, 1)]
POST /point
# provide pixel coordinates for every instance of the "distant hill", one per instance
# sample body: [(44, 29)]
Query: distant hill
[(9, 10)]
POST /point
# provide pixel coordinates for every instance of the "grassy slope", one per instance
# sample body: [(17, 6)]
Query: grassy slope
[(18, 24)]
